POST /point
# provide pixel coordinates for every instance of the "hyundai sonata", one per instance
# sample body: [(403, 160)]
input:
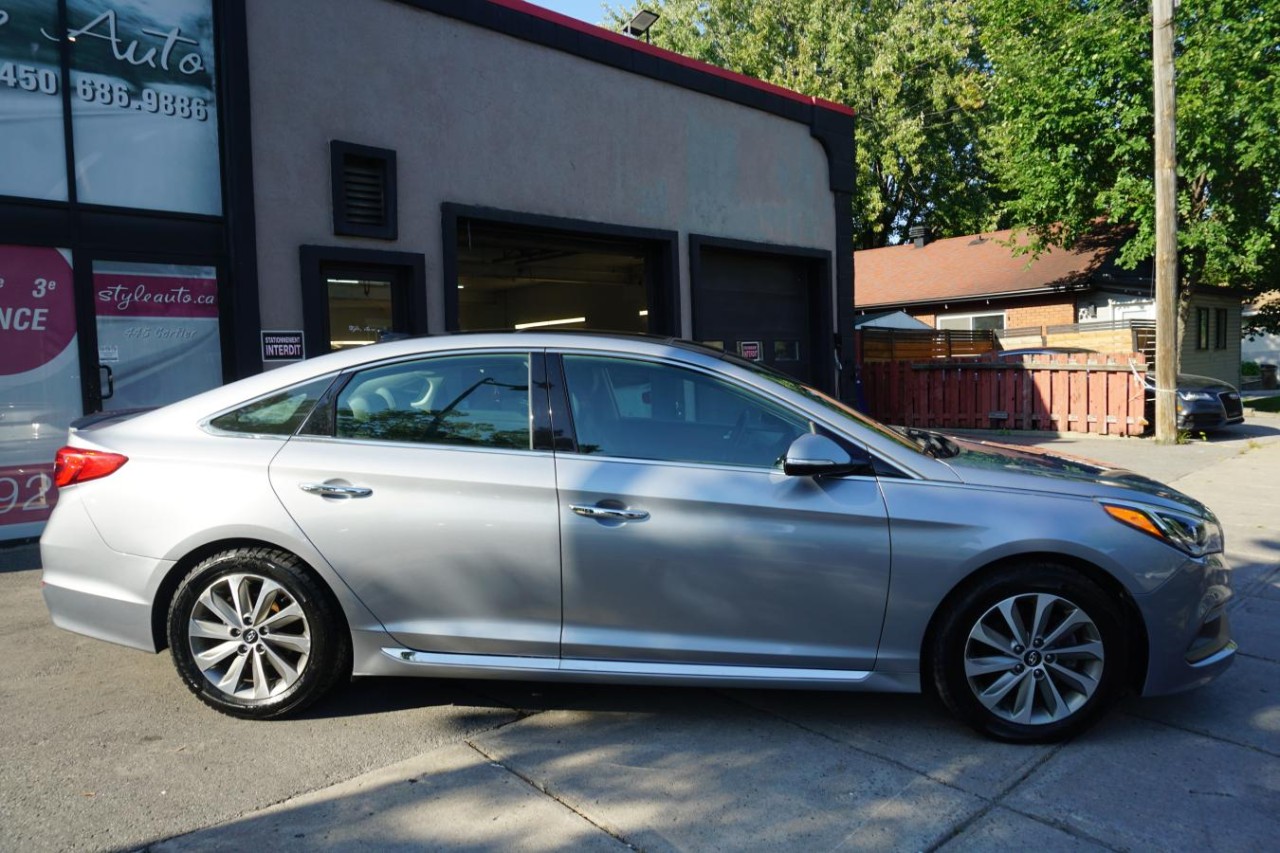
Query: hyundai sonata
[(603, 508)]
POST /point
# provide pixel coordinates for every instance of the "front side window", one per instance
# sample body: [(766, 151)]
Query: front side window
[(473, 400), (645, 410)]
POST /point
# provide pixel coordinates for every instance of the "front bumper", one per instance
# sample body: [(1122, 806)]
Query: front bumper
[(1188, 629), (1221, 411)]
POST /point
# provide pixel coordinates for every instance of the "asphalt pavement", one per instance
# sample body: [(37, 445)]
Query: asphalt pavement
[(103, 748)]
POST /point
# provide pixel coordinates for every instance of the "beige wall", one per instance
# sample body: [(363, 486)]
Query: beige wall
[(1221, 364), (479, 118)]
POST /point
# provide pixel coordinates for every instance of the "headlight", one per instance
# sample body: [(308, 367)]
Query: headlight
[(1196, 395), (1191, 533)]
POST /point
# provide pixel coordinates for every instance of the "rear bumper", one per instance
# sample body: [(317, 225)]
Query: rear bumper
[(117, 621), (91, 589), (1188, 629)]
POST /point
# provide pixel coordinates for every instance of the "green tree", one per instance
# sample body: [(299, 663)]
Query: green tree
[(1071, 130), (910, 68)]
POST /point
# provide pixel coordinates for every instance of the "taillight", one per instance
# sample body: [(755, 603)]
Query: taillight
[(76, 465)]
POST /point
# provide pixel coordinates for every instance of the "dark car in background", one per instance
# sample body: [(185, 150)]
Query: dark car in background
[(1203, 402)]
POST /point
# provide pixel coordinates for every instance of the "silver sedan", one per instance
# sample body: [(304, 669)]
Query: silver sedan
[(597, 508)]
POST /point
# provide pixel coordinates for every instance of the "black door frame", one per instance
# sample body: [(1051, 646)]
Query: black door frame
[(662, 257), (408, 271)]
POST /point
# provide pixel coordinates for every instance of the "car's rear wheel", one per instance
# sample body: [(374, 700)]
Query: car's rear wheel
[(254, 635), (1030, 655)]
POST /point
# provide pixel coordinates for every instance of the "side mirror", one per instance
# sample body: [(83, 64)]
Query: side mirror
[(814, 455)]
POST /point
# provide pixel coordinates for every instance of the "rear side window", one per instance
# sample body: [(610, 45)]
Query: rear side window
[(475, 400), (279, 414)]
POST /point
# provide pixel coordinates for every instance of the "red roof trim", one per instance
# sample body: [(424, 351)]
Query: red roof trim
[(594, 31)]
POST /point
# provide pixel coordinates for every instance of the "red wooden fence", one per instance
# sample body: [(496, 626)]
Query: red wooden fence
[(1085, 392)]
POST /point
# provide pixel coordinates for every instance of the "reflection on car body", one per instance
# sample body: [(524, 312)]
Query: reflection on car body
[(626, 509)]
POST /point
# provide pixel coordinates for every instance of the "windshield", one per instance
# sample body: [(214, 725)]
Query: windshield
[(829, 403)]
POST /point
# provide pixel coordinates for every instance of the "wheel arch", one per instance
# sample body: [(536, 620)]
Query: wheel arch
[(169, 585), (1135, 624)]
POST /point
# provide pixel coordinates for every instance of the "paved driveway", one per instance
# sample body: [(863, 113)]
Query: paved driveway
[(103, 748)]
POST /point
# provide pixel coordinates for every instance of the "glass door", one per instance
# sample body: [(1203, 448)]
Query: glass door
[(364, 305), (158, 337)]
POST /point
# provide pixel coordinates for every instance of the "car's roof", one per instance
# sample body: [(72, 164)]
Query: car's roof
[(184, 418), (273, 379)]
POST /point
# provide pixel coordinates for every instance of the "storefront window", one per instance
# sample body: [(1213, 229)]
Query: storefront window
[(32, 148), (158, 337), (39, 381), (144, 116)]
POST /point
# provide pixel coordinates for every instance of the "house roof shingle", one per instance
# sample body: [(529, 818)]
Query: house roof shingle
[(972, 267)]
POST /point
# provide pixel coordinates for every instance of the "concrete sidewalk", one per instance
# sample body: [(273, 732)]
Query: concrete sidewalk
[(668, 769)]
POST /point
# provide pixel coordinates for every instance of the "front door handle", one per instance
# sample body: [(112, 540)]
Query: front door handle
[(609, 513), (330, 490)]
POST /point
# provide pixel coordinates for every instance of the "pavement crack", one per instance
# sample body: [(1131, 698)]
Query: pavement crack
[(1252, 656), (998, 800), (845, 744), (1201, 733), (1068, 829), (521, 714), (548, 792)]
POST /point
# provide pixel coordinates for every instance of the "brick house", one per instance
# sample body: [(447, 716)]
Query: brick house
[(1064, 297)]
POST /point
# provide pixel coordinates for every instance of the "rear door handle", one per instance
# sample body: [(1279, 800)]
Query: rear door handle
[(330, 490), (609, 513)]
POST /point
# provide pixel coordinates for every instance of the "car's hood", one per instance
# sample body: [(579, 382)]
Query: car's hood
[(989, 463), (1192, 382)]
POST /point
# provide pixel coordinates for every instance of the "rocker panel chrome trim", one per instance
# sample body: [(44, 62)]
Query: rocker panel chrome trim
[(569, 667)]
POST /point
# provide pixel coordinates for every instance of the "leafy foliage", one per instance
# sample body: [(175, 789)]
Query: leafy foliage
[(910, 68), (1070, 136), (1033, 113)]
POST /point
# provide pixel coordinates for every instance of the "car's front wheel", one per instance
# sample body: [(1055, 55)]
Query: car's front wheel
[(254, 635), (1030, 655)]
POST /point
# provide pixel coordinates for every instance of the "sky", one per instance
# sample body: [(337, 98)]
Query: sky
[(591, 11)]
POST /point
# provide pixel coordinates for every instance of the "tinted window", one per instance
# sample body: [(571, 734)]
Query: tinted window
[(475, 400), (643, 410), (280, 414)]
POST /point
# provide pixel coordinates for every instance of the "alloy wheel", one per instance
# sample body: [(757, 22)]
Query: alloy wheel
[(1034, 659), (249, 636)]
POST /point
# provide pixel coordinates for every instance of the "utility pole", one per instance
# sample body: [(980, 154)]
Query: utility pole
[(1166, 181)]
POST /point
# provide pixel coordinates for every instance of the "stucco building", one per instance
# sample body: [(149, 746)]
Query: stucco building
[(199, 189)]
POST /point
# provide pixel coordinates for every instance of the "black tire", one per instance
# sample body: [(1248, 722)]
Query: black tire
[(303, 650), (1067, 691)]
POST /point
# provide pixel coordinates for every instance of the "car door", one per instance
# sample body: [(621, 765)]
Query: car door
[(684, 543), (420, 486)]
